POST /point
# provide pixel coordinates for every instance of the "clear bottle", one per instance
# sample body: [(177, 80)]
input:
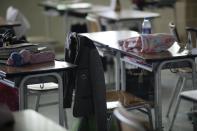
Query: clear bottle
[(146, 26)]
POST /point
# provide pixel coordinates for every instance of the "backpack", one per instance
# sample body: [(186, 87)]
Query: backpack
[(9, 97)]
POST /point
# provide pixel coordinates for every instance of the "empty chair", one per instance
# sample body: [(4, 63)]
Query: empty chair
[(93, 23), (42, 89), (129, 102), (184, 74), (190, 96), (192, 36), (130, 122), (173, 31)]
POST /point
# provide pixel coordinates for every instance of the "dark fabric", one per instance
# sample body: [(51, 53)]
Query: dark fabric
[(9, 97), (69, 76), (88, 79), (140, 83), (79, 28), (7, 35)]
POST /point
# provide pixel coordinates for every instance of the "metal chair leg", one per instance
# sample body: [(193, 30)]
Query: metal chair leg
[(37, 102), (150, 117), (175, 113), (179, 87)]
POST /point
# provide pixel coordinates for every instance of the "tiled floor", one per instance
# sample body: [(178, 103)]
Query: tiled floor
[(168, 83)]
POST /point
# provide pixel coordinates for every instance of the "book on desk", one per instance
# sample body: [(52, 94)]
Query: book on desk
[(7, 50)]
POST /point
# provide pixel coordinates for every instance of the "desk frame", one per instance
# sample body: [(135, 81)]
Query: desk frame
[(32, 74), (157, 67), (23, 94), (152, 64)]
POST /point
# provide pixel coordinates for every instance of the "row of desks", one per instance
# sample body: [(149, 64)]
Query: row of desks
[(20, 75), (111, 18), (102, 11), (155, 63)]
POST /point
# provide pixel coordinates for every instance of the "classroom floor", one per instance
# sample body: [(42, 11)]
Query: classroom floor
[(168, 83)]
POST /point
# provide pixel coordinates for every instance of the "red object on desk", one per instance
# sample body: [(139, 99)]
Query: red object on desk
[(9, 96)]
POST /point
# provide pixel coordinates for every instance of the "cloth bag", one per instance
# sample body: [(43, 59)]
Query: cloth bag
[(9, 97), (148, 43)]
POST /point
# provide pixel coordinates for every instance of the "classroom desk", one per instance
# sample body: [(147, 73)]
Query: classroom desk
[(33, 74), (114, 18), (79, 9), (29, 120), (71, 11), (109, 41), (154, 62)]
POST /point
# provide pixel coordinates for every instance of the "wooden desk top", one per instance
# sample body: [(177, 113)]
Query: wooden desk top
[(9, 71), (94, 9), (74, 9), (9, 24), (4, 23), (127, 14), (30, 120), (109, 39)]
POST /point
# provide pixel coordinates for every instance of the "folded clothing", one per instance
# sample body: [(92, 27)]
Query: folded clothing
[(148, 43), (27, 57)]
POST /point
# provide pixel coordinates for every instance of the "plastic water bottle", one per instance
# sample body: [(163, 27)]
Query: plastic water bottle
[(146, 26)]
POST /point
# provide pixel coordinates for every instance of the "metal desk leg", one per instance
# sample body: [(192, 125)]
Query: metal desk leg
[(117, 70), (158, 101), (123, 75), (158, 94), (23, 94)]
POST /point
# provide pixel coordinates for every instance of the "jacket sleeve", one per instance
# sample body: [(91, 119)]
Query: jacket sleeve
[(99, 89)]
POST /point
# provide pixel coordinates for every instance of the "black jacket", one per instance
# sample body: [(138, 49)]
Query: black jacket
[(88, 80)]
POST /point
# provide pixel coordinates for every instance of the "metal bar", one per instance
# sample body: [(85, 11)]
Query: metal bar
[(23, 94), (7, 82), (158, 94), (143, 66), (117, 70), (157, 73), (123, 75)]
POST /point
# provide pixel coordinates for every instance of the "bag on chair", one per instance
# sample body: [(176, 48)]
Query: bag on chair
[(9, 96)]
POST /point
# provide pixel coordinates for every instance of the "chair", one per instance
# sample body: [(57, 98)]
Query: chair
[(129, 102), (190, 96), (183, 73), (130, 122), (42, 89), (14, 15), (93, 23), (91, 83), (173, 31)]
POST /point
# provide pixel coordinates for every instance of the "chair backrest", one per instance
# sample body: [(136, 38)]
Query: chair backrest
[(128, 122), (191, 36), (174, 32), (93, 23)]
